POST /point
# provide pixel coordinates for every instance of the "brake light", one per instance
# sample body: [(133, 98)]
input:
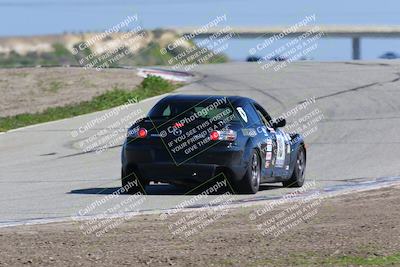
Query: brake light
[(214, 135), (142, 133), (178, 125), (224, 135)]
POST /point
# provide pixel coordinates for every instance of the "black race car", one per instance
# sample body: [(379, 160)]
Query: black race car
[(191, 139)]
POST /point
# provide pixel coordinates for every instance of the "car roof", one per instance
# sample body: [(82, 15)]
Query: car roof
[(211, 98)]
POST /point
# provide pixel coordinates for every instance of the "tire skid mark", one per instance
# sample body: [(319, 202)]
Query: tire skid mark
[(235, 82), (357, 88), (360, 119)]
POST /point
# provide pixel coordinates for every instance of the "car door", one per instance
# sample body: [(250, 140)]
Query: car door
[(283, 150), (280, 156), (267, 140)]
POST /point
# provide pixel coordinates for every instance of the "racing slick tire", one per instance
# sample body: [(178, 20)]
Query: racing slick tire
[(128, 182), (251, 180), (297, 178)]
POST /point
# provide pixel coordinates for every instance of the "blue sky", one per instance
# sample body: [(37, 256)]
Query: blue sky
[(30, 17)]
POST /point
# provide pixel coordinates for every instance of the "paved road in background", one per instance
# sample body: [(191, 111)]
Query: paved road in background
[(46, 175)]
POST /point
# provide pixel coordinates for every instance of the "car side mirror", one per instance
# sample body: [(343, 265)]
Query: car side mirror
[(280, 122)]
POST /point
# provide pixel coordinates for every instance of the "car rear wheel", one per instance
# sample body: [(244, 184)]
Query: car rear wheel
[(131, 181), (297, 179), (251, 180)]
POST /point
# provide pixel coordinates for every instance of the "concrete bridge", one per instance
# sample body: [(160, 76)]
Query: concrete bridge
[(330, 31)]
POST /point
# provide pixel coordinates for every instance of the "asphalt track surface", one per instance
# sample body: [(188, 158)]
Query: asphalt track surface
[(45, 174)]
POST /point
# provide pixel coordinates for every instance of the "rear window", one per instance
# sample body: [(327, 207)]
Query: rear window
[(202, 110)]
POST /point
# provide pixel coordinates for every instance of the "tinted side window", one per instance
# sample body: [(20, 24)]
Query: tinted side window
[(167, 112), (264, 116), (252, 115)]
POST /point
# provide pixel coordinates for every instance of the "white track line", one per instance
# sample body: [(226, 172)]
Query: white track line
[(173, 211)]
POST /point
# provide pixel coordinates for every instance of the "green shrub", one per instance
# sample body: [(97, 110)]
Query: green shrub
[(150, 86)]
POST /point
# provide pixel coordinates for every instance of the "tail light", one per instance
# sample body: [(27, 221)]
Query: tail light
[(223, 135), (137, 133), (142, 133), (214, 135), (178, 125)]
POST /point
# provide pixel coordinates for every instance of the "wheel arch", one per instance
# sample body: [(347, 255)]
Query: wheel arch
[(299, 142)]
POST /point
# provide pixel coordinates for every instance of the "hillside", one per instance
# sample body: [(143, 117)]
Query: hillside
[(137, 48)]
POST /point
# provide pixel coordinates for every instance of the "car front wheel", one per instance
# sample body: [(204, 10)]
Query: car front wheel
[(297, 178)]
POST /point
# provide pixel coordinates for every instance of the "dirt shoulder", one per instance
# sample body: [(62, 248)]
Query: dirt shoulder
[(30, 90), (350, 230)]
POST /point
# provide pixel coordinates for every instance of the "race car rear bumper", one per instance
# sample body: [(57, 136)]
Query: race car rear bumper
[(171, 173), (158, 165)]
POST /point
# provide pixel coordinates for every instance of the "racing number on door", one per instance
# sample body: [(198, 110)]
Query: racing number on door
[(283, 150), (280, 149)]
